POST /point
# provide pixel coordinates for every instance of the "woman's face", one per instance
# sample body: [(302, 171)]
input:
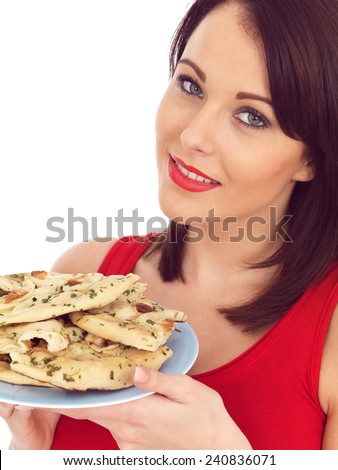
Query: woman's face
[(218, 143)]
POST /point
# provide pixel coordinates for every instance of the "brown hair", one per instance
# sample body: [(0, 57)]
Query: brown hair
[(299, 39)]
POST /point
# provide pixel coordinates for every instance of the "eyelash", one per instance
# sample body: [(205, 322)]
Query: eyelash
[(182, 78), (265, 122), (186, 78)]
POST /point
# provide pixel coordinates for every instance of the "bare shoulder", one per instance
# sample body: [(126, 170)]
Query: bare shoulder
[(84, 257), (328, 385)]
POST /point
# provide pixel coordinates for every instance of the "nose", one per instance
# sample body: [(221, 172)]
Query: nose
[(200, 133)]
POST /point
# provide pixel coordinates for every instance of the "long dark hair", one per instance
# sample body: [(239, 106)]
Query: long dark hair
[(299, 39)]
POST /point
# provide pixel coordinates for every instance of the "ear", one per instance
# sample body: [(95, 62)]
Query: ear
[(306, 172)]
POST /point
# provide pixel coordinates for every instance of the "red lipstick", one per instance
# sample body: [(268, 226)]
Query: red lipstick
[(191, 168), (189, 178)]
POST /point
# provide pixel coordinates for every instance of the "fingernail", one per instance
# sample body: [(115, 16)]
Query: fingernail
[(140, 375)]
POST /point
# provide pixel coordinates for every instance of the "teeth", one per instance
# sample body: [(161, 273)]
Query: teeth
[(193, 176)]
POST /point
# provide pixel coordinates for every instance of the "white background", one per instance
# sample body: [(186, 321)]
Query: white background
[(80, 83)]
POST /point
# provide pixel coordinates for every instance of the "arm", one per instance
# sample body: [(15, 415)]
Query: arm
[(182, 414), (84, 257), (328, 385)]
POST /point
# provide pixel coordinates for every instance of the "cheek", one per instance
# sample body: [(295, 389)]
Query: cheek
[(162, 130), (272, 162), (171, 119), (163, 119)]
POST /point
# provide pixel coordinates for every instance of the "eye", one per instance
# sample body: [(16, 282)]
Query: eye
[(189, 85), (252, 118)]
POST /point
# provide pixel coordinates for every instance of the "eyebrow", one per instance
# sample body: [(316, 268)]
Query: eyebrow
[(242, 95), (201, 75)]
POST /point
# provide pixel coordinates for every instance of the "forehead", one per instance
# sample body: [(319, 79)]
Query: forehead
[(222, 47)]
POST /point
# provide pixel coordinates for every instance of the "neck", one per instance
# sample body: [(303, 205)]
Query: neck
[(220, 254)]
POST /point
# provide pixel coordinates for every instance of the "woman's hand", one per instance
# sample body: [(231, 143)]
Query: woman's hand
[(32, 429), (182, 414)]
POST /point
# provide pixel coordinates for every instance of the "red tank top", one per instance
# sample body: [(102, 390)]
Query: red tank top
[(271, 390)]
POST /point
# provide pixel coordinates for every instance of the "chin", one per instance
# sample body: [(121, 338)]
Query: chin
[(181, 212), (186, 207)]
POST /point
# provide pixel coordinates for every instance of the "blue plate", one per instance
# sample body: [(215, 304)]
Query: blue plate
[(185, 349)]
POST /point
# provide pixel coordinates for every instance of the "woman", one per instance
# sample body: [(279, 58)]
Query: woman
[(247, 160)]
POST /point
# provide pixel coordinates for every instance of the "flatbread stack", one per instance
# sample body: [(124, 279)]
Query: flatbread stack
[(80, 331)]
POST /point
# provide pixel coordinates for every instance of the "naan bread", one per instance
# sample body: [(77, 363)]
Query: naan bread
[(80, 331), (20, 337), (81, 367), (131, 319), (8, 375), (36, 296), (148, 331)]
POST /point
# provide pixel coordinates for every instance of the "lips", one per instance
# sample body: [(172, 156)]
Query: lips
[(188, 177)]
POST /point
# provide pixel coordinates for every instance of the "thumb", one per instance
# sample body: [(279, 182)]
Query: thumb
[(178, 388)]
